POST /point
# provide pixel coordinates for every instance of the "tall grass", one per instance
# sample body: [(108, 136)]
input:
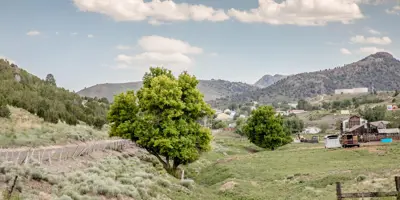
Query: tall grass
[(25, 129)]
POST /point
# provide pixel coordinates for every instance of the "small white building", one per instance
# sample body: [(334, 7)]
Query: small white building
[(293, 105), (312, 130), (332, 141), (351, 91)]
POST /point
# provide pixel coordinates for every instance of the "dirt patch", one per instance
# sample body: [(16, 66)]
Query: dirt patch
[(228, 186)]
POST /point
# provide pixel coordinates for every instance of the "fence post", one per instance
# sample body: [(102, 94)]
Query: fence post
[(338, 191), (397, 181)]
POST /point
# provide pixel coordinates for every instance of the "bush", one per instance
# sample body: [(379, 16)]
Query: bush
[(5, 112)]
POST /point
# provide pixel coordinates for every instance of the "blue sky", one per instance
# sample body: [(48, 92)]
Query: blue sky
[(85, 42)]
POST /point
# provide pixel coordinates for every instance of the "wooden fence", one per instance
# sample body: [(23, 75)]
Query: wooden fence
[(59, 153), (341, 196)]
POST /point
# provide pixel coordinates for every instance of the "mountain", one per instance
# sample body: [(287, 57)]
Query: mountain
[(268, 80), (380, 70), (212, 89)]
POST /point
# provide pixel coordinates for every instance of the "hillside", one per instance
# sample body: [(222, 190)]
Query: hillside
[(380, 70), (212, 89), (268, 80), (43, 98)]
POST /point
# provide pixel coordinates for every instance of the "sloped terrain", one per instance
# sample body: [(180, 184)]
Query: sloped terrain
[(212, 89), (380, 71), (268, 80)]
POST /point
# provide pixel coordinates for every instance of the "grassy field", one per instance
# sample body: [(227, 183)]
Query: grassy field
[(25, 129), (233, 170), (237, 170)]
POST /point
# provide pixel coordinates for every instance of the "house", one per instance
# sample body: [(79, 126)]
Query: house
[(312, 130), (353, 123), (379, 124)]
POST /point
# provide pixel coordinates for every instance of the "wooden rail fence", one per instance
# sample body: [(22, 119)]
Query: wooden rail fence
[(341, 196), (60, 153)]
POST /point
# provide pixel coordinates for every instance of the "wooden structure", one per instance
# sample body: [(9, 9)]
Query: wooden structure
[(341, 196), (349, 140)]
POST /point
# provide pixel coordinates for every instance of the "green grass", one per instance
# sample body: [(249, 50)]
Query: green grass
[(25, 129), (296, 171)]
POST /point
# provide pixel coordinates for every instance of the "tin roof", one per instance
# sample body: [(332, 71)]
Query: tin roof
[(389, 130)]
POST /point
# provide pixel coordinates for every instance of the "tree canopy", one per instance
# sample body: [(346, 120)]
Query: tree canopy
[(162, 118), (42, 98), (266, 130)]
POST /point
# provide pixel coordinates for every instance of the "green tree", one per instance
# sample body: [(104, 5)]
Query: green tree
[(233, 106), (51, 80), (163, 117), (4, 111), (266, 130), (240, 122), (293, 125), (376, 113), (218, 124)]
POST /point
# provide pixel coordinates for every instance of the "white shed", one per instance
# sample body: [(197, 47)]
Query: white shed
[(332, 141)]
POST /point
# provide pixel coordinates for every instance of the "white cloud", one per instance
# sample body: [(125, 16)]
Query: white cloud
[(33, 33), (394, 11), (90, 36), (123, 47), (167, 45), (155, 11), (74, 33), (301, 12), (371, 50), (345, 51), (372, 2), (373, 31), (371, 40), (159, 51)]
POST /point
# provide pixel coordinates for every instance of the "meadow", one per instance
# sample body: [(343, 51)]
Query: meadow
[(237, 170)]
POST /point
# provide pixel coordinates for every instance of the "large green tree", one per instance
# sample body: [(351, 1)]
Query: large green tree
[(265, 129), (163, 118)]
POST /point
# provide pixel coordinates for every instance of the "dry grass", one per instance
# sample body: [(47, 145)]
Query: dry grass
[(25, 129)]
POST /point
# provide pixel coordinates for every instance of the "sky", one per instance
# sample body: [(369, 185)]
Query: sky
[(88, 42)]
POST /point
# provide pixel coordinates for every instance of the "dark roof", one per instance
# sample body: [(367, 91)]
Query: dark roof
[(355, 128)]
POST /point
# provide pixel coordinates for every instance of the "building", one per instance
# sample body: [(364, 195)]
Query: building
[(281, 112), (351, 91), (312, 130), (293, 105), (345, 112), (353, 123), (296, 111)]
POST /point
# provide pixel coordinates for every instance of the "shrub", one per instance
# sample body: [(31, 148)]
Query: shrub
[(4, 111)]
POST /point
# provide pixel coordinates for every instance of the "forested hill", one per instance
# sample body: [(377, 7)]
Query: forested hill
[(380, 70), (43, 98), (212, 89)]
